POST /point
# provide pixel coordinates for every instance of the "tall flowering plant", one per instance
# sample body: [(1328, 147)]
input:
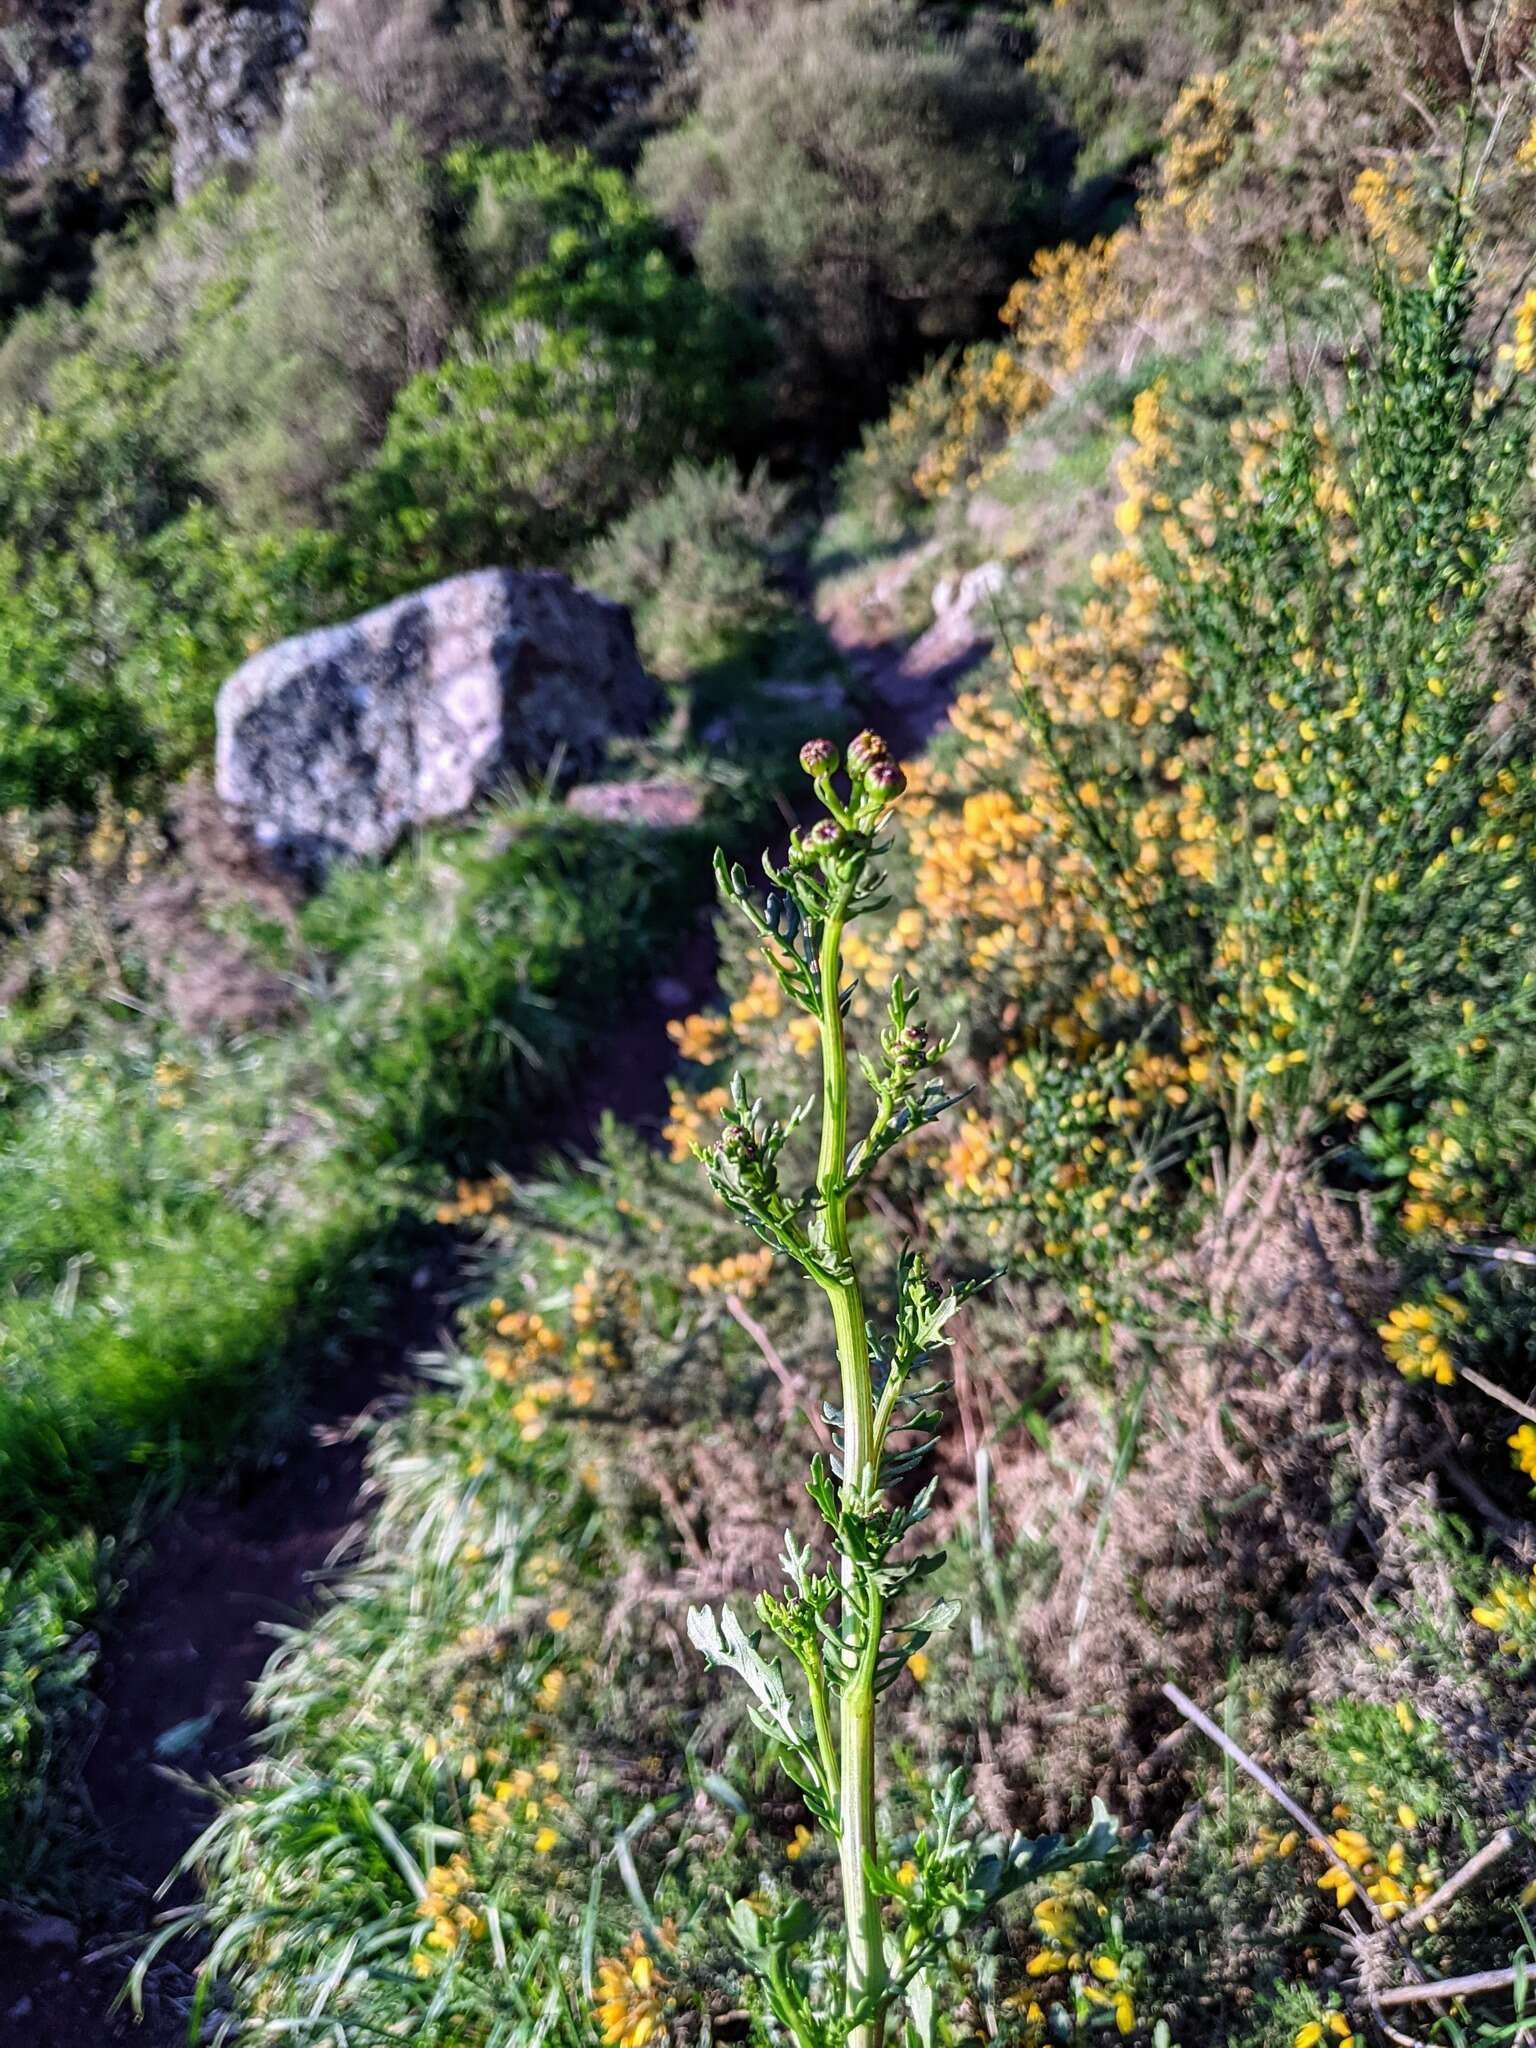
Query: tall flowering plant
[(850, 1623)]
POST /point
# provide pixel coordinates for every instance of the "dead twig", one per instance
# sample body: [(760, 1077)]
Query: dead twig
[(1153, 1762), (797, 1400), (1444, 1988), (1458, 1881), (1316, 1834), (1495, 1393), (1506, 1254)]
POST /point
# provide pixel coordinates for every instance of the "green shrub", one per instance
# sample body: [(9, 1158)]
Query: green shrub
[(328, 302), (695, 567), (597, 362), (860, 178), (111, 656), (1116, 69), (194, 464), (461, 73)]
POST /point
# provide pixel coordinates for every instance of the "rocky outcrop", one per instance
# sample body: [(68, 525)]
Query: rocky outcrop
[(30, 69), (339, 741), (218, 68), (74, 103)]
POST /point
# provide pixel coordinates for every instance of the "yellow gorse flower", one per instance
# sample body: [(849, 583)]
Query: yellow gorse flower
[(743, 1273), (629, 2006), (698, 1038), (446, 1905), (1415, 1338), (1335, 2029)]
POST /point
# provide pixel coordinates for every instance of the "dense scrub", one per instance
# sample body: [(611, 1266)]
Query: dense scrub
[(1221, 870), (1208, 1147)]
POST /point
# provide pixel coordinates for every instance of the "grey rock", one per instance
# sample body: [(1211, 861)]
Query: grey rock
[(964, 619), (962, 594), (45, 56), (339, 741), (218, 69)]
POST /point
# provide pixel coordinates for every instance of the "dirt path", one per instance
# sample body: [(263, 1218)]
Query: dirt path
[(910, 682), (194, 1631)]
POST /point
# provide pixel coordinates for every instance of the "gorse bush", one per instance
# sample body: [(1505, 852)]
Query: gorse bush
[(1345, 878), (842, 1626), (1246, 848), (1116, 69)]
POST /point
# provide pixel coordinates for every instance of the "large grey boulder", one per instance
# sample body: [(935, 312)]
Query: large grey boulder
[(339, 741), (218, 69)]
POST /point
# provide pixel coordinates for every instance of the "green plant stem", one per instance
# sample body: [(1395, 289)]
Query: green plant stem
[(865, 1969)]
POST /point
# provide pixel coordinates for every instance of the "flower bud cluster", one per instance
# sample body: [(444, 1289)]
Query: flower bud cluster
[(875, 780)]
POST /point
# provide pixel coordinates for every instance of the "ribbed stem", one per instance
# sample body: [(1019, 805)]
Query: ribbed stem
[(856, 1708)]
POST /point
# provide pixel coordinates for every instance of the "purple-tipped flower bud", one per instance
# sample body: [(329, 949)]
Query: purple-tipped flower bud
[(818, 757), (886, 780), (738, 1144), (911, 1051), (865, 751), (825, 836)]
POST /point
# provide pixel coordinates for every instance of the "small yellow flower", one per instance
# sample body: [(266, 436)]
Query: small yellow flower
[(558, 1619), (1054, 1918), (551, 1686), (803, 1839), (699, 1039), (919, 1665), (629, 2007), (1352, 1848), (545, 1840)]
